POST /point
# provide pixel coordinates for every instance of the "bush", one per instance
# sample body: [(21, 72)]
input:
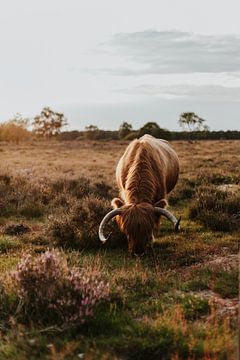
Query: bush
[(76, 187), (217, 179), (5, 179), (77, 207), (132, 136), (63, 232), (185, 190), (124, 130), (21, 197), (215, 209), (103, 190), (79, 227), (15, 130), (31, 199), (51, 292), (154, 129), (16, 229), (80, 188)]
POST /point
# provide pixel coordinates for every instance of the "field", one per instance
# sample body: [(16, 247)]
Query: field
[(180, 302)]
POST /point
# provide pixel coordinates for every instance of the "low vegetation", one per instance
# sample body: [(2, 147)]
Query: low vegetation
[(63, 295), (46, 285), (216, 209)]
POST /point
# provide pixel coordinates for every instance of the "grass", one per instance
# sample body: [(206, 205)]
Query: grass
[(161, 305), (224, 283), (8, 244)]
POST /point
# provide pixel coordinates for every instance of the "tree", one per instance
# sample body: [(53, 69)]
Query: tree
[(124, 129), (91, 128), (192, 122), (154, 129), (49, 123), (91, 132)]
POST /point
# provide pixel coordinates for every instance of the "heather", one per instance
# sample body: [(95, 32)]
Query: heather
[(64, 295), (46, 285), (216, 209)]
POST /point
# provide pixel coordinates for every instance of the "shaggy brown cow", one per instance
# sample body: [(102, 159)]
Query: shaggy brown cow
[(146, 173)]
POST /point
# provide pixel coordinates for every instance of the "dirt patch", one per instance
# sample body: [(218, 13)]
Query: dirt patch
[(226, 263), (223, 307)]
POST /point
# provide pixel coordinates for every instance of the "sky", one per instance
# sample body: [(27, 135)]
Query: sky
[(105, 62)]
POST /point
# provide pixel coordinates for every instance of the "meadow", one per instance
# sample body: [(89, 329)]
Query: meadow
[(181, 302)]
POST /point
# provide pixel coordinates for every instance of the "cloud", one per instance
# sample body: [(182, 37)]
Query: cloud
[(165, 52), (196, 92)]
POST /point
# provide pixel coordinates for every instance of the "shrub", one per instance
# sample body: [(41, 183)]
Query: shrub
[(5, 179), (185, 190), (103, 190), (124, 130), (16, 229), (21, 197), (51, 292), (80, 188), (154, 129), (79, 227), (217, 179), (33, 199), (63, 231), (15, 130), (132, 136), (215, 209), (76, 187)]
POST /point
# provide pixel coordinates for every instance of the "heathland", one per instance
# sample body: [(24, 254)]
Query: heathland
[(178, 303)]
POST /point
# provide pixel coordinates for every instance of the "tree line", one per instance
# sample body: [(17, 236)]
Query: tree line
[(50, 124)]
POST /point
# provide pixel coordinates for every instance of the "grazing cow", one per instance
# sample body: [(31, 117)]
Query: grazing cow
[(146, 173)]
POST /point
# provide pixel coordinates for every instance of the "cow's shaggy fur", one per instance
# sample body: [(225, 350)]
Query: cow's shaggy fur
[(146, 173)]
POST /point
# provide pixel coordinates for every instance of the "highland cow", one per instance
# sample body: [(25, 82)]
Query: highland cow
[(146, 173)]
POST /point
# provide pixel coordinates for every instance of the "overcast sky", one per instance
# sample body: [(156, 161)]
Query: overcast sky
[(109, 61)]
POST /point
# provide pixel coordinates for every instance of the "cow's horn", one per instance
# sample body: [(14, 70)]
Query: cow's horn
[(104, 222), (169, 216)]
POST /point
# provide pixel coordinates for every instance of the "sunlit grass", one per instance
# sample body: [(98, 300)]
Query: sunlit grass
[(161, 304)]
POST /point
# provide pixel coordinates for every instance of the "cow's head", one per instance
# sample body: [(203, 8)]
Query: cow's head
[(137, 222)]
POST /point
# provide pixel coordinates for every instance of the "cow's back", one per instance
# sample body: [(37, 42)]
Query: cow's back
[(148, 170), (167, 159)]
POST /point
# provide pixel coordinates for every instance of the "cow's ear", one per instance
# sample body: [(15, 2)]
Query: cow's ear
[(161, 203), (117, 203)]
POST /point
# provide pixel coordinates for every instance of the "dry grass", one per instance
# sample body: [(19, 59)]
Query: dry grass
[(98, 159), (62, 159), (179, 304)]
